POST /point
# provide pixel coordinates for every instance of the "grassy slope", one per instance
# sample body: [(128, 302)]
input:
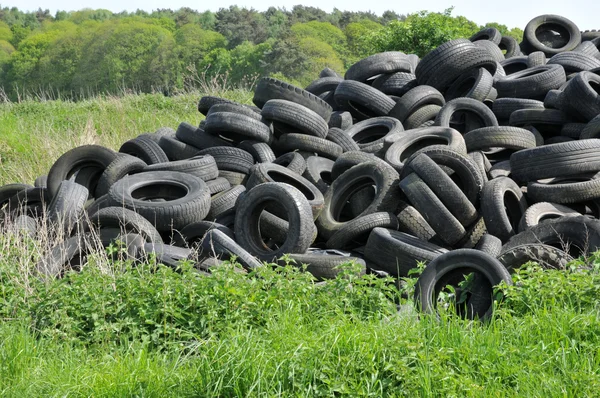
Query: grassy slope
[(544, 342)]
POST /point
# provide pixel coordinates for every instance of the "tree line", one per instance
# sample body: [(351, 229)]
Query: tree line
[(87, 52)]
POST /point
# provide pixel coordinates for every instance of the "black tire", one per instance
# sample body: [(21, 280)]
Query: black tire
[(499, 137), (201, 166), (9, 190), (547, 257), (318, 172), (489, 244), (299, 215), (341, 120), (573, 130), (177, 150), (24, 226), (218, 244), (398, 253), (235, 108), (502, 206), (230, 159), (370, 134), (492, 48), (504, 107), (398, 83), (532, 83), (361, 100), (415, 99), (224, 201), (120, 167), (208, 101), (556, 160), (126, 220), (485, 117), (293, 161), (377, 64), (476, 84), (269, 172), (574, 235), (445, 189), (582, 97), (146, 149), (422, 117), (289, 117), (420, 195), (408, 144), (193, 234), (540, 35), (510, 45), (352, 158), (514, 64), (487, 34), (574, 62), (340, 137), (548, 120), (323, 85), (500, 169), (92, 156), (67, 207), (217, 185), (41, 181), (187, 198), (450, 267), (198, 138), (233, 177), (536, 58), (579, 190), (68, 255), (260, 151), (544, 211), (302, 142), (325, 264), (412, 222), (236, 127), (356, 232), (269, 88), (591, 129), (351, 181)]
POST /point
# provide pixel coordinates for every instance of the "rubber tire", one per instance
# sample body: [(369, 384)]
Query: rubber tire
[(123, 165), (502, 220), (146, 149), (532, 43), (125, 219), (357, 231), (543, 210), (547, 257), (236, 127)]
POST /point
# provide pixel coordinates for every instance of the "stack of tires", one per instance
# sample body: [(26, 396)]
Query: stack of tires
[(481, 156)]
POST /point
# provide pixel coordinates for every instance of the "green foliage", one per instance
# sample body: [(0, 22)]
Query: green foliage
[(514, 32), (5, 33), (319, 55), (322, 31), (240, 24), (195, 43), (421, 32), (355, 34)]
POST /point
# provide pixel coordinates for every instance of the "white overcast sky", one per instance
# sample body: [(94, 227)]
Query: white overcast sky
[(513, 13)]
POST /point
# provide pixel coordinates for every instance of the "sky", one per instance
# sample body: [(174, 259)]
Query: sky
[(513, 13)]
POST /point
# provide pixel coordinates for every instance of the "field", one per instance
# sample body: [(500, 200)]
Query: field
[(115, 330)]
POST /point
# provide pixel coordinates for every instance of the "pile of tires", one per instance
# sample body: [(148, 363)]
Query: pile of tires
[(481, 156)]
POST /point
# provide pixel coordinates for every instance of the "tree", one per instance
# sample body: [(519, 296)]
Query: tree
[(420, 32), (302, 14), (195, 43), (356, 32), (240, 24)]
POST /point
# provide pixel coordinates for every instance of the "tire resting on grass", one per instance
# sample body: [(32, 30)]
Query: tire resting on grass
[(323, 264), (547, 257), (219, 244)]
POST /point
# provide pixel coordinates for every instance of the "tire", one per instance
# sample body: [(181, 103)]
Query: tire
[(577, 191), (370, 134), (193, 234), (233, 177), (318, 172), (302, 142), (500, 169), (146, 149), (356, 232), (351, 181), (235, 108), (208, 101), (581, 96), (224, 201), (446, 226), (341, 120), (398, 83), (290, 117), (415, 99), (325, 264), (92, 156), (199, 138), (269, 88), (489, 244), (361, 100), (536, 58), (24, 226), (377, 64), (547, 120), (67, 207), (476, 84), (412, 222), (556, 160), (41, 181), (260, 151), (469, 105), (217, 185), (487, 34), (534, 40), (299, 215), (532, 83), (342, 138), (543, 211), (422, 117), (547, 257), (448, 266), (574, 62), (499, 137), (236, 127), (474, 234), (352, 158), (398, 253), (9, 190), (502, 206), (572, 130), (515, 64), (126, 220), (177, 150), (292, 161), (218, 244), (575, 235), (201, 166), (510, 46), (323, 85), (120, 167), (265, 172), (492, 48), (187, 198), (591, 129), (408, 144), (230, 159), (70, 254), (445, 189)]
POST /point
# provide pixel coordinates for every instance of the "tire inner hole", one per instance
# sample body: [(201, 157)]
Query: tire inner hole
[(420, 144), (512, 207), (370, 134), (552, 35), (159, 192), (280, 177)]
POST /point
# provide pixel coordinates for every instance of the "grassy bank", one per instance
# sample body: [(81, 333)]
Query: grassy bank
[(34, 134)]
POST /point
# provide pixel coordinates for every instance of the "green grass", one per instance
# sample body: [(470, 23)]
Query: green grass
[(34, 134), (151, 331)]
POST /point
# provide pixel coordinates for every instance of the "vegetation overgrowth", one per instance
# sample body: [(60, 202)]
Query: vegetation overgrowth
[(84, 53)]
